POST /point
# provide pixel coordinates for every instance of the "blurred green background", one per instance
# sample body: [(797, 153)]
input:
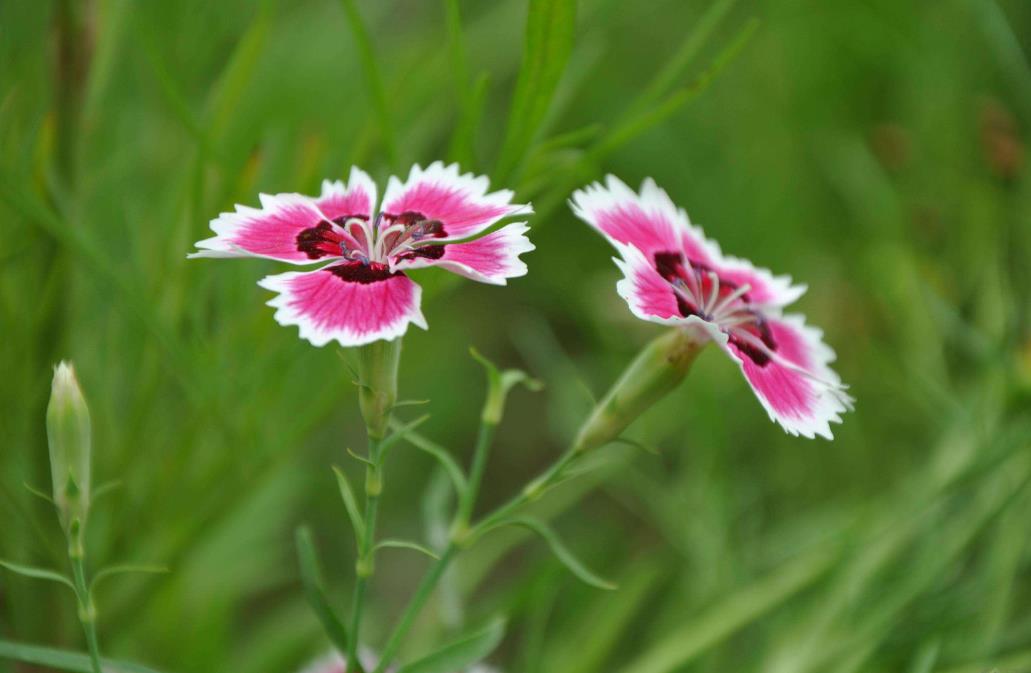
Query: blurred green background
[(874, 149)]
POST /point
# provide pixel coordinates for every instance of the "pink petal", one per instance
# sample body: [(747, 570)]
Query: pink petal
[(797, 388), (357, 197), (490, 259), (272, 231), (766, 289), (348, 302), (460, 202), (649, 221), (649, 295)]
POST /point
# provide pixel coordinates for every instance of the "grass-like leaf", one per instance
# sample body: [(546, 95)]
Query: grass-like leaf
[(351, 504), (399, 432), (65, 660), (314, 589), (550, 25), (406, 544), (373, 78), (123, 570), (460, 654), (38, 573), (695, 636), (454, 472), (561, 552)]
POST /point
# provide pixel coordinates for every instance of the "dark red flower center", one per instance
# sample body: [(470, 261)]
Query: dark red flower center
[(359, 272), (323, 240), (700, 291)]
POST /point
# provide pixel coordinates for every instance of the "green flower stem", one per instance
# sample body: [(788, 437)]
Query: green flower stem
[(87, 611), (415, 605), (656, 371), (377, 394), (365, 565), (479, 464)]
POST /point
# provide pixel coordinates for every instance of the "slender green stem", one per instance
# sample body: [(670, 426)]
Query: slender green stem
[(415, 605), (533, 490), (365, 565), (436, 571), (87, 611), (479, 464)]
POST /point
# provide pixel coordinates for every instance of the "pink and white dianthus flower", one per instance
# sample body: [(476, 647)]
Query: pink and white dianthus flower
[(363, 293), (674, 275)]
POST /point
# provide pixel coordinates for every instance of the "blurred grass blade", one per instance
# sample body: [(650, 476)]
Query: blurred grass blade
[(458, 52), (407, 544), (462, 145), (695, 636), (462, 653), (64, 660), (650, 117), (373, 78), (550, 26), (563, 554), (314, 590), (673, 70), (351, 504), (38, 573), (224, 101)]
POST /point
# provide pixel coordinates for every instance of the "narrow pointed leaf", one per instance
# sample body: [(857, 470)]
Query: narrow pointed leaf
[(400, 431), (460, 654), (38, 573), (351, 504), (38, 493), (123, 570), (314, 590), (65, 660), (406, 544), (443, 457), (560, 551)]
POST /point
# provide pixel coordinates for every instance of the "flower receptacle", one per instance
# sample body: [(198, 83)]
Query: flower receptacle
[(377, 385), (653, 374)]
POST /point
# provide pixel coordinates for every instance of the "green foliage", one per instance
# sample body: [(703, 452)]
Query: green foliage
[(460, 654), (871, 150)]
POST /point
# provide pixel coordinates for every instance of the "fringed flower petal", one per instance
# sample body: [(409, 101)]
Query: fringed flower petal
[(793, 380), (294, 228), (649, 221), (459, 202), (348, 302), (493, 258)]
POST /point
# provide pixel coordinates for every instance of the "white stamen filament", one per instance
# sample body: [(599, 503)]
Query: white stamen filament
[(721, 307), (714, 293)]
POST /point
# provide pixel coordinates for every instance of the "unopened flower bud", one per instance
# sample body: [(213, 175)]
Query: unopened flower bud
[(656, 371), (68, 434)]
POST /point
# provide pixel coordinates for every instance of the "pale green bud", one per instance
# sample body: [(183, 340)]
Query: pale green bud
[(68, 434), (656, 371)]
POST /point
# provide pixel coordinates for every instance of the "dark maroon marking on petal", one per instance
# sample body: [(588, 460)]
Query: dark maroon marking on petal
[(417, 224), (319, 241), (342, 220), (427, 252), (356, 272), (760, 329), (670, 266)]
